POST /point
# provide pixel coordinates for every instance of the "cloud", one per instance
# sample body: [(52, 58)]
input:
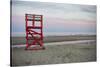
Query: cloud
[(91, 9), (56, 17), (67, 11)]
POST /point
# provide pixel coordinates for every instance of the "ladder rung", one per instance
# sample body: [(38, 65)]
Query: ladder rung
[(33, 19), (37, 20), (34, 32), (34, 27), (30, 38), (33, 15)]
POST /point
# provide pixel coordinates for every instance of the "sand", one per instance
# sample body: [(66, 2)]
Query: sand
[(64, 53)]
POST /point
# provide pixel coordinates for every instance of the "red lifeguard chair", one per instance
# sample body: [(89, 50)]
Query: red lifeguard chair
[(34, 32)]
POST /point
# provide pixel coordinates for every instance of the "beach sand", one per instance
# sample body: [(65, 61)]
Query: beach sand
[(64, 53)]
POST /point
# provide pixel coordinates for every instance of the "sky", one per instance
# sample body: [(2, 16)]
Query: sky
[(57, 17)]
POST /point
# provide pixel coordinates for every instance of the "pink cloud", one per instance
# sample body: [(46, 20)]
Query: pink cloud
[(69, 23)]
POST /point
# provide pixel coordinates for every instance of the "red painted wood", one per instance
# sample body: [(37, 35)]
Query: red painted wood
[(35, 37)]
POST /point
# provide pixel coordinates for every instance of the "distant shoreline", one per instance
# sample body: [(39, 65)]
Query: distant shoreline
[(52, 34), (47, 39)]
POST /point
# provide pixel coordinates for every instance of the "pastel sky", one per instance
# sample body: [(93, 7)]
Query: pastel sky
[(57, 17)]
